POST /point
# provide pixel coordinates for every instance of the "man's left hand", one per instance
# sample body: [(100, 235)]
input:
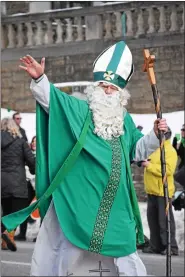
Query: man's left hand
[(161, 125)]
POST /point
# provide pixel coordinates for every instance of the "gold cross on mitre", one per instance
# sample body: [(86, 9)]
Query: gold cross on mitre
[(108, 75)]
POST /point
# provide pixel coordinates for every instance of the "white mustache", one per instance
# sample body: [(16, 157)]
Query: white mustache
[(108, 112)]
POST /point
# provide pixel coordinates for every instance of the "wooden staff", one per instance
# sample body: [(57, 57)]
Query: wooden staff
[(149, 68)]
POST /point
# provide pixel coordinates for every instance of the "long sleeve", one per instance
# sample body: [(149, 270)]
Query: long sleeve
[(140, 146), (41, 91), (146, 146)]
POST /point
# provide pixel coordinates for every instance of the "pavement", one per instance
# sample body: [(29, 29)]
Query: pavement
[(18, 263)]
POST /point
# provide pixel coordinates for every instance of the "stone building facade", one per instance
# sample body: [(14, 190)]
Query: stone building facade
[(14, 7), (68, 65)]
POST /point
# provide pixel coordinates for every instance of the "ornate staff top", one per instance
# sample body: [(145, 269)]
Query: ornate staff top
[(149, 66)]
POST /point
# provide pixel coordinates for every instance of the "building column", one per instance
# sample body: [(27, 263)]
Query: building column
[(3, 8)]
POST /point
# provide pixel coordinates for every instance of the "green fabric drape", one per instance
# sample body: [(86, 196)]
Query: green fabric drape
[(79, 188)]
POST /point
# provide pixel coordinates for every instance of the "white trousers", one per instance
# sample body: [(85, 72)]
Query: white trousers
[(54, 255)]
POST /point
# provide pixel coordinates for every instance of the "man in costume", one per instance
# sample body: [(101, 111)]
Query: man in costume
[(84, 149)]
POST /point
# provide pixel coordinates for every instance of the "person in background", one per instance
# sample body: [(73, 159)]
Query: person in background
[(31, 194), (140, 128), (180, 148), (33, 148), (17, 118), (180, 174), (155, 202), (31, 178), (33, 145), (15, 153)]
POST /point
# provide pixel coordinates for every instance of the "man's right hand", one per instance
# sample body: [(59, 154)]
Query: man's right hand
[(34, 69)]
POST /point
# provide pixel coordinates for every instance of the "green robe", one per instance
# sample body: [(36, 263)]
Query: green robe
[(96, 203)]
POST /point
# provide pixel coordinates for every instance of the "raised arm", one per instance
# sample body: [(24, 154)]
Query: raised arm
[(41, 91), (40, 85)]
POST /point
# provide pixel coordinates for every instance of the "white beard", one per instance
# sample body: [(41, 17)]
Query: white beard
[(108, 111)]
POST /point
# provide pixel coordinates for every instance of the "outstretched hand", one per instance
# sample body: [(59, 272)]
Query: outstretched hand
[(34, 69)]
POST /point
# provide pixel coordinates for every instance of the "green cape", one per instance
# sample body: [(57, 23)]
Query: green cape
[(78, 195)]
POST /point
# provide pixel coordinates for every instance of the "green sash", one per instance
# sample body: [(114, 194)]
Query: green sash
[(13, 220)]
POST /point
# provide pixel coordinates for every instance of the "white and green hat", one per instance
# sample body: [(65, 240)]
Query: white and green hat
[(114, 65)]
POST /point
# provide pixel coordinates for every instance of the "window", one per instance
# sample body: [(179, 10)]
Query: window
[(70, 4)]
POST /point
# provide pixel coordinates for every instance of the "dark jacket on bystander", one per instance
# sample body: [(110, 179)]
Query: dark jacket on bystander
[(15, 154)]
